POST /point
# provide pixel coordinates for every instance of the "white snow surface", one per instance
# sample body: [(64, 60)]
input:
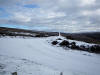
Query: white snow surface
[(35, 56)]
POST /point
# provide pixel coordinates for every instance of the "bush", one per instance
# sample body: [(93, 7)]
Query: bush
[(95, 49), (72, 43), (40, 35), (55, 42), (64, 43), (14, 73), (74, 47), (82, 47), (59, 39)]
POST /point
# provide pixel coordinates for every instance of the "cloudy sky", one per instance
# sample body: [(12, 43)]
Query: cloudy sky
[(51, 15)]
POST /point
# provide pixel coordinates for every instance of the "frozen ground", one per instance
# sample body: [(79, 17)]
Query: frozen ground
[(35, 56)]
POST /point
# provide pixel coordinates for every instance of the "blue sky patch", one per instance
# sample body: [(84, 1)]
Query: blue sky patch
[(31, 6), (14, 26), (3, 13), (2, 9)]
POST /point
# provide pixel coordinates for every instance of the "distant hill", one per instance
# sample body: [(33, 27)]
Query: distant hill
[(90, 37)]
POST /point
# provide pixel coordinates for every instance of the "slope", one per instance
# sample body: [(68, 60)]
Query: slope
[(56, 58)]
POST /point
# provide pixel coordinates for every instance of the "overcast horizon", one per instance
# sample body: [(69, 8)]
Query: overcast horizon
[(51, 15)]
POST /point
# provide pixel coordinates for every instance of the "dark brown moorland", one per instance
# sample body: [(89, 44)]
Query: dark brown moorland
[(90, 37)]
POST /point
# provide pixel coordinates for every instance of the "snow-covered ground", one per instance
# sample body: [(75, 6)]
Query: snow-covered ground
[(35, 56), (9, 65)]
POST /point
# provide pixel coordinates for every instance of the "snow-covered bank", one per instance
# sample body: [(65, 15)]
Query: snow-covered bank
[(55, 58), (75, 45)]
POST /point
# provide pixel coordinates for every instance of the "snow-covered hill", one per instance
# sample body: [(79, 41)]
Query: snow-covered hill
[(35, 56)]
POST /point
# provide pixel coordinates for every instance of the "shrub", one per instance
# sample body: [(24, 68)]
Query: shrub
[(64, 43), (72, 43), (74, 47), (14, 73), (55, 42), (82, 47), (59, 39), (40, 35), (95, 49)]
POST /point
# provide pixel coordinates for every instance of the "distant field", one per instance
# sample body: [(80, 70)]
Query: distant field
[(92, 37)]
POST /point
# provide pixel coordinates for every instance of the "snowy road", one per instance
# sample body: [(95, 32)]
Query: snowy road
[(40, 51)]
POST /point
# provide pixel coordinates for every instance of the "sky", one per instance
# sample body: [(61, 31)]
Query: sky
[(51, 15)]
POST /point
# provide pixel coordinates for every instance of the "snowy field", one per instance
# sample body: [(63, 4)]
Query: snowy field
[(35, 56)]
